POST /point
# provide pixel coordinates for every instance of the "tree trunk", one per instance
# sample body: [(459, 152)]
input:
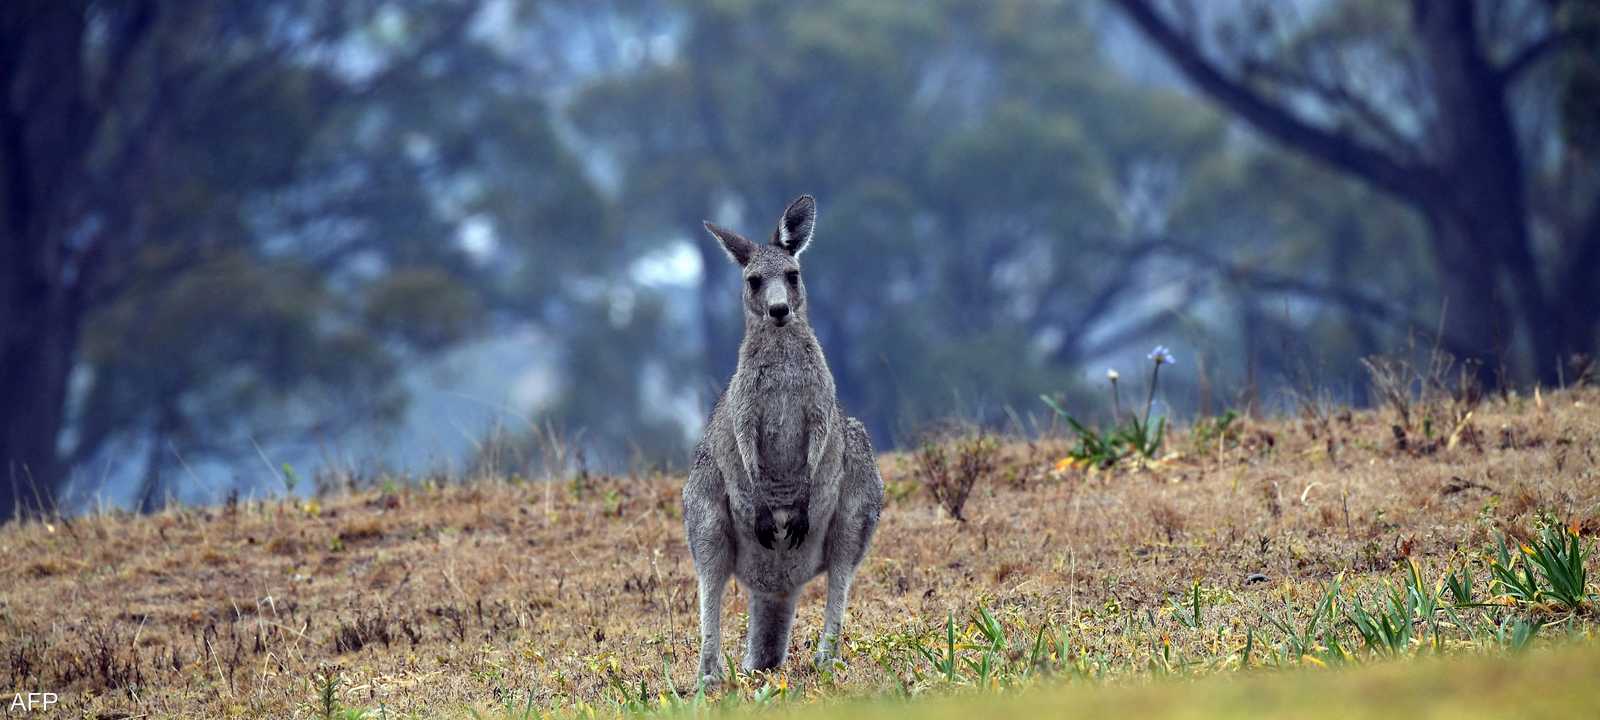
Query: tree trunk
[(151, 498), (45, 125), (153, 489), (38, 344), (1579, 300), (1476, 320), (34, 365), (1490, 276)]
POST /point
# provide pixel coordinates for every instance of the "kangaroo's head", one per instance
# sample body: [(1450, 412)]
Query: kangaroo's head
[(773, 290)]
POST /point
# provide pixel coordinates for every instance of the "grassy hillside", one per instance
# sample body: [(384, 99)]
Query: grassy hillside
[(1272, 544), (1542, 684)]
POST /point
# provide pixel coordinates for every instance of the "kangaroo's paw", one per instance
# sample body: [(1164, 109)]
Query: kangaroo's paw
[(799, 526), (710, 679), (766, 527)]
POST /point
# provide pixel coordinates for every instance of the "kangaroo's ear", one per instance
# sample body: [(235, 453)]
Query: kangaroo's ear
[(794, 230), (738, 248)]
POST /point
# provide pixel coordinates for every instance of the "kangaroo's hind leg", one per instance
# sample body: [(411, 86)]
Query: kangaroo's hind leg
[(771, 617), (860, 501), (708, 523)]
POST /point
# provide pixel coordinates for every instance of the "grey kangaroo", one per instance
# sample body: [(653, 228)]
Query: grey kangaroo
[(778, 456)]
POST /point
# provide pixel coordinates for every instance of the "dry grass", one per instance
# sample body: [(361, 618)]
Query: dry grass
[(431, 600)]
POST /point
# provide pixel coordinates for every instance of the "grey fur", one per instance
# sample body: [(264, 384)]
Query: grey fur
[(778, 459)]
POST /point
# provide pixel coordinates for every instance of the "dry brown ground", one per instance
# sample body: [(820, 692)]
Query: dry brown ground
[(433, 599)]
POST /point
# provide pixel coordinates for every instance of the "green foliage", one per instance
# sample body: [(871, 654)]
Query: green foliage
[(1209, 432), (1140, 439), (1134, 436), (1523, 587), (1104, 449), (1459, 583), (1387, 627), (981, 654), (944, 664), (1093, 448), (422, 307), (1194, 616), (1516, 634), (291, 479), (1550, 569), (327, 683), (1312, 639)]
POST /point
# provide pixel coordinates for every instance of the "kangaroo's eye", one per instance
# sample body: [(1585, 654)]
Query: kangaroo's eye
[(793, 276), (755, 283)]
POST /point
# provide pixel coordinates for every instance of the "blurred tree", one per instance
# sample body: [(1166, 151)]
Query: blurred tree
[(979, 168), (1313, 271), (228, 224), (1446, 109)]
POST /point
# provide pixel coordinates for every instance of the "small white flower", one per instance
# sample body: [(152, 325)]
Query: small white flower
[(1111, 374)]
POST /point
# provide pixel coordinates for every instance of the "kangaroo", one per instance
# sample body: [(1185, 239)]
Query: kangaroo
[(777, 454)]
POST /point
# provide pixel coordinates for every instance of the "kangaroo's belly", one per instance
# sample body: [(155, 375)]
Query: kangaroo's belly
[(782, 570)]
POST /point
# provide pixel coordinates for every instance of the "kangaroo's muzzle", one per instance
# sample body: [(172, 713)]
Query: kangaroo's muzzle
[(777, 297)]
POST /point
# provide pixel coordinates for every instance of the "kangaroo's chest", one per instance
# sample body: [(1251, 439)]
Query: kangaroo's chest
[(781, 397)]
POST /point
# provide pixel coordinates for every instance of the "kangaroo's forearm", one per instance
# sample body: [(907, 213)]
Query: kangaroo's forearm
[(744, 439), (817, 445)]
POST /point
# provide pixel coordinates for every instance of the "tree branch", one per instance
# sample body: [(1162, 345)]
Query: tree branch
[(131, 33), (1272, 282), (1334, 94), (1117, 282), (1414, 183), (1530, 55), (1191, 290)]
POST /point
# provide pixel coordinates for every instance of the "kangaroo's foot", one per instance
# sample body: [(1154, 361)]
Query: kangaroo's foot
[(827, 655), (710, 677)]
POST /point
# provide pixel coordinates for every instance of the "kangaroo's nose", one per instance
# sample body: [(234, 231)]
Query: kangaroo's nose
[(778, 312)]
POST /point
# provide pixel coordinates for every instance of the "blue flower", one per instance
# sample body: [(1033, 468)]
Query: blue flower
[(1162, 356)]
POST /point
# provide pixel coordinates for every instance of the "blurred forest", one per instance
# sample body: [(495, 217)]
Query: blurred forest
[(236, 234)]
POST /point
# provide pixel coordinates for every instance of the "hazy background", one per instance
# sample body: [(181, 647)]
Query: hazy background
[(361, 236)]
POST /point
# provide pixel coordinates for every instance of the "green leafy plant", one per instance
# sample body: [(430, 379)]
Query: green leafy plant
[(1193, 616), (291, 479), (1550, 569), (327, 692), (1135, 435), (982, 655), (1459, 583), (1559, 553), (1092, 448), (1301, 642), (1503, 570), (1517, 635), (945, 664), (1387, 627), (1222, 429)]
